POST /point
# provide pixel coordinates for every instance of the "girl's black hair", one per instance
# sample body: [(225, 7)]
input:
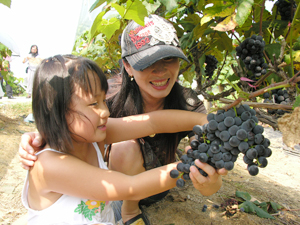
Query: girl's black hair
[(129, 101), (37, 51), (53, 89)]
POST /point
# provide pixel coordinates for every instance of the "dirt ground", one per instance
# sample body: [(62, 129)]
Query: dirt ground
[(278, 182)]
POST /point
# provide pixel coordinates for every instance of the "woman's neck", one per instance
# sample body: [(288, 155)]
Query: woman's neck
[(153, 105)]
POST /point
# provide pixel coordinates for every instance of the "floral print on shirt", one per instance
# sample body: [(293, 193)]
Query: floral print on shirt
[(89, 208)]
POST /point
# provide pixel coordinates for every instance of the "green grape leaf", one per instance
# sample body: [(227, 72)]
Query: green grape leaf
[(275, 205), (6, 3), (250, 207), (226, 25), (224, 42), (94, 31), (152, 7), (136, 11), (273, 49), (96, 4), (189, 74), (119, 8), (261, 213), (170, 4), (243, 11), (247, 206), (243, 195), (297, 102), (273, 77), (109, 27)]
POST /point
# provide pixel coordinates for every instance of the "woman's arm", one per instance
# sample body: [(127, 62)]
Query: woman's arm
[(161, 121), (25, 59)]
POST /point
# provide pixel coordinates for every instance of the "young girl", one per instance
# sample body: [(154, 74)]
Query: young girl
[(70, 183)]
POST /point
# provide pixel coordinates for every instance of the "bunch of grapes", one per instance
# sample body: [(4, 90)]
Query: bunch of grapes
[(211, 65), (278, 96), (222, 139), (286, 9), (251, 52)]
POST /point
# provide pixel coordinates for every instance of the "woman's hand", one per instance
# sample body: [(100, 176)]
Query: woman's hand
[(30, 142), (206, 185)]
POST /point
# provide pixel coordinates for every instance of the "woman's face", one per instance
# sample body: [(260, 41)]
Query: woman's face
[(34, 49), (156, 81)]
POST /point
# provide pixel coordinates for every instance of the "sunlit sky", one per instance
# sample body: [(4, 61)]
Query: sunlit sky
[(51, 25)]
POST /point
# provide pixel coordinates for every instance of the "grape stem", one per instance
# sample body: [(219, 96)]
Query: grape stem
[(261, 17), (286, 83), (291, 38)]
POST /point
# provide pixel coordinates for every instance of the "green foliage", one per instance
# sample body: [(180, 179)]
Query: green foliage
[(203, 28), (5, 54), (6, 2), (261, 209)]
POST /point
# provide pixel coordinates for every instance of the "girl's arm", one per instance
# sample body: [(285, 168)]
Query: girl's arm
[(161, 121), (65, 174)]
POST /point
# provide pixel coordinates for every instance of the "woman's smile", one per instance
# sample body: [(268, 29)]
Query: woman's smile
[(161, 84)]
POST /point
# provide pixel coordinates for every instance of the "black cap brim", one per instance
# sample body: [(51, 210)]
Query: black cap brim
[(143, 59)]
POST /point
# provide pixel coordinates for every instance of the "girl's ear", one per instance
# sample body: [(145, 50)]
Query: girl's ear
[(127, 67)]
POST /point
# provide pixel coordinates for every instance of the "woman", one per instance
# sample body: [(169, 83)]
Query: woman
[(33, 60), (150, 56)]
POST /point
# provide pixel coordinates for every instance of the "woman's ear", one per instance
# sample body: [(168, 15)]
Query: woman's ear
[(127, 67)]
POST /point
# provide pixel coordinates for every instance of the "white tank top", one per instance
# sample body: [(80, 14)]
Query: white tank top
[(71, 210)]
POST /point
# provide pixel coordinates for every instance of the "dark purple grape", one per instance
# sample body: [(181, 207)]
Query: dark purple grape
[(229, 121), (197, 129), (180, 183), (217, 156), (186, 176), (234, 141), (220, 164), (186, 168), (224, 135), (212, 125), (227, 156), (210, 116), (180, 167), (203, 157), (252, 153), (263, 162), (174, 173), (228, 165), (203, 147), (242, 134), (253, 170)]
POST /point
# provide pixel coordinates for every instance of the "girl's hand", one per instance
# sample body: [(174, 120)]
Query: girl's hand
[(30, 142)]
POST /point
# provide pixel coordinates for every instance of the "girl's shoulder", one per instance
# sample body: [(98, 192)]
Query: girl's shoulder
[(47, 156)]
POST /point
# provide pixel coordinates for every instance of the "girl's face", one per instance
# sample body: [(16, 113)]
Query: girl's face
[(90, 113), (156, 81)]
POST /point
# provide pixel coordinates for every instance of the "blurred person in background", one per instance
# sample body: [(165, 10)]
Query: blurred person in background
[(9, 91), (33, 59)]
